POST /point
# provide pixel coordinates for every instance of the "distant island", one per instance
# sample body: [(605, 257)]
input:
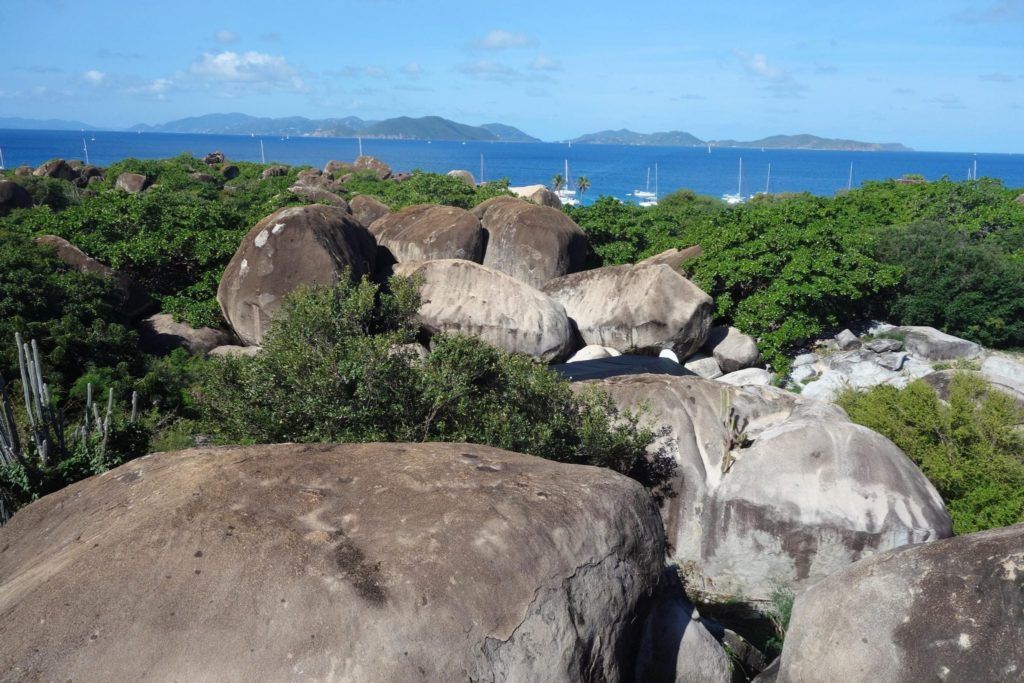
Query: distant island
[(400, 128), (678, 138), (438, 128)]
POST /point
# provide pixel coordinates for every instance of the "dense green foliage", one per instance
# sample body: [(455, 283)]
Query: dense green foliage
[(787, 268), (424, 188), (334, 368), (969, 447)]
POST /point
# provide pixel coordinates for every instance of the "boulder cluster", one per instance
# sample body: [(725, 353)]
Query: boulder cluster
[(456, 561)]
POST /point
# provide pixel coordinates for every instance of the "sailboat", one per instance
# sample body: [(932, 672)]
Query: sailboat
[(738, 197), (653, 200), (849, 180), (263, 157), (767, 183), (2, 167), (646, 194), (566, 194), (481, 169), (85, 150)]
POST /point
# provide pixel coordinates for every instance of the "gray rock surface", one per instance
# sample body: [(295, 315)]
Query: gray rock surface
[(847, 341), (703, 365), (367, 209), (318, 195), (230, 350), (946, 611), (674, 258), (298, 245), (793, 494), (464, 176), (636, 308), (56, 168), (931, 344), (274, 172), (883, 345), (132, 183), (160, 333), (731, 348), (373, 165), (481, 209), (356, 562), (428, 232), (545, 197), (463, 297), (593, 352), (13, 196), (747, 376), (533, 244)]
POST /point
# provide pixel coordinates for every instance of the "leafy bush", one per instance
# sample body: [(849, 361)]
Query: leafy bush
[(334, 369), (970, 448), (423, 188)]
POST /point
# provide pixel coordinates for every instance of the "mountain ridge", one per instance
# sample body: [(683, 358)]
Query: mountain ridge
[(676, 138)]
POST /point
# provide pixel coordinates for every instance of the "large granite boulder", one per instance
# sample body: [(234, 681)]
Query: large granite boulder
[(931, 344), (773, 489), (13, 196), (274, 172), (161, 334), (354, 562), (214, 158), (132, 183), (731, 348), (373, 165), (675, 258), (481, 209), (56, 168), (367, 209), (135, 301), (298, 245), (463, 297), (464, 176), (318, 195), (636, 308), (538, 194), (427, 232), (533, 244), (946, 611)]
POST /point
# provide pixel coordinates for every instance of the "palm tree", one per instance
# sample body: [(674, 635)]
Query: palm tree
[(557, 182), (582, 184)]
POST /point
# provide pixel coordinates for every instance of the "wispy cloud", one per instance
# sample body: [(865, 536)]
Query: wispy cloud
[(246, 67), (94, 77), (412, 70), (272, 37), (225, 36), (947, 101), (772, 77), (158, 88), (104, 53), (376, 72), (994, 13), (500, 39), (544, 63), (690, 96), (487, 70), (997, 78), (904, 91)]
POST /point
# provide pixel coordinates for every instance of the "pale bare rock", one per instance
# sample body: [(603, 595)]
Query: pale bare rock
[(298, 245), (132, 183), (229, 350), (427, 232), (748, 376), (593, 352), (373, 165), (533, 244), (931, 344), (636, 308), (674, 258), (462, 297), (160, 333), (354, 562), (945, 611), (56, 168), (481, 209), (731, 348), (464, 176), (703, 365), (367, 209), (538, 194), (773, 489), (847, 341)]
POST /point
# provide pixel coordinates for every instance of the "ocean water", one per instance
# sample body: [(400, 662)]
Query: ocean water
[(615, 170)]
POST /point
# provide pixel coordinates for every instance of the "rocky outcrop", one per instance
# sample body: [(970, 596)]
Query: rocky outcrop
[(428, 232), (593, 352), (375, 166), (703, 365), (946, 611), (533, 244), (776, 490), (274, 172), (931, 344), (464, 176), (318, 195), (747, 377), (232, 351), (481, 209), (674, 258), (132, 183), (390, 562), (538, 194), (13, 196), (462, 297), (732, 349), (298, 245), (635, 308), (214, 158), (135, 301), (56, 168), (367, 209), (161, 334)]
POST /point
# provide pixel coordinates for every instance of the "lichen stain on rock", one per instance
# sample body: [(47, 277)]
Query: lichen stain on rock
[(363, 576)]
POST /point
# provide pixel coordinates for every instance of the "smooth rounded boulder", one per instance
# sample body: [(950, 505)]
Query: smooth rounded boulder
[(464, 176), (635, 308), (298, 245), (732, 349), (13, 196), (427, 232), (132, 183), (774, 490), (160, 333), (946, 611), (462, 297), (355, 562), (367, 209), (532, 243)]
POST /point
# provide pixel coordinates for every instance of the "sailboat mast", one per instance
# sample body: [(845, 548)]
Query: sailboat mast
[(263, 157), (849, 181), (567, 174), (739, 183), (655, 180), (85, 150), (2, 167), (648, 188), (975, 169), (360, 145), (768, 182), (481, 167)]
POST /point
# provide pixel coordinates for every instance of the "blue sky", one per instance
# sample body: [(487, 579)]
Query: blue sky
[(938, 75)]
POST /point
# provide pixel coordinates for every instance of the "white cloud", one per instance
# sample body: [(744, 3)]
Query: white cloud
[(246, 67), (412, 70), (94, 77), (376, 72), (997, 78), (500, 39), (947, 102), (775, 79), (157, 88), (486, 70), (995, 13), (225, 36), (544, 63)]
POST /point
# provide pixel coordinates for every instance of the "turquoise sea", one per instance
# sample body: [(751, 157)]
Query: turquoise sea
[(615, 170)]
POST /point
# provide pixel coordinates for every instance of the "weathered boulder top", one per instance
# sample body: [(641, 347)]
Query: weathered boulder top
[(952, 610), (930, 343), (425, 232), (367, 209), (354, 562), (635, 307)]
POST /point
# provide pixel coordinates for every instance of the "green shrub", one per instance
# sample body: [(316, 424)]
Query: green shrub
[(333, 370), (423, 188), (970, 447)]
